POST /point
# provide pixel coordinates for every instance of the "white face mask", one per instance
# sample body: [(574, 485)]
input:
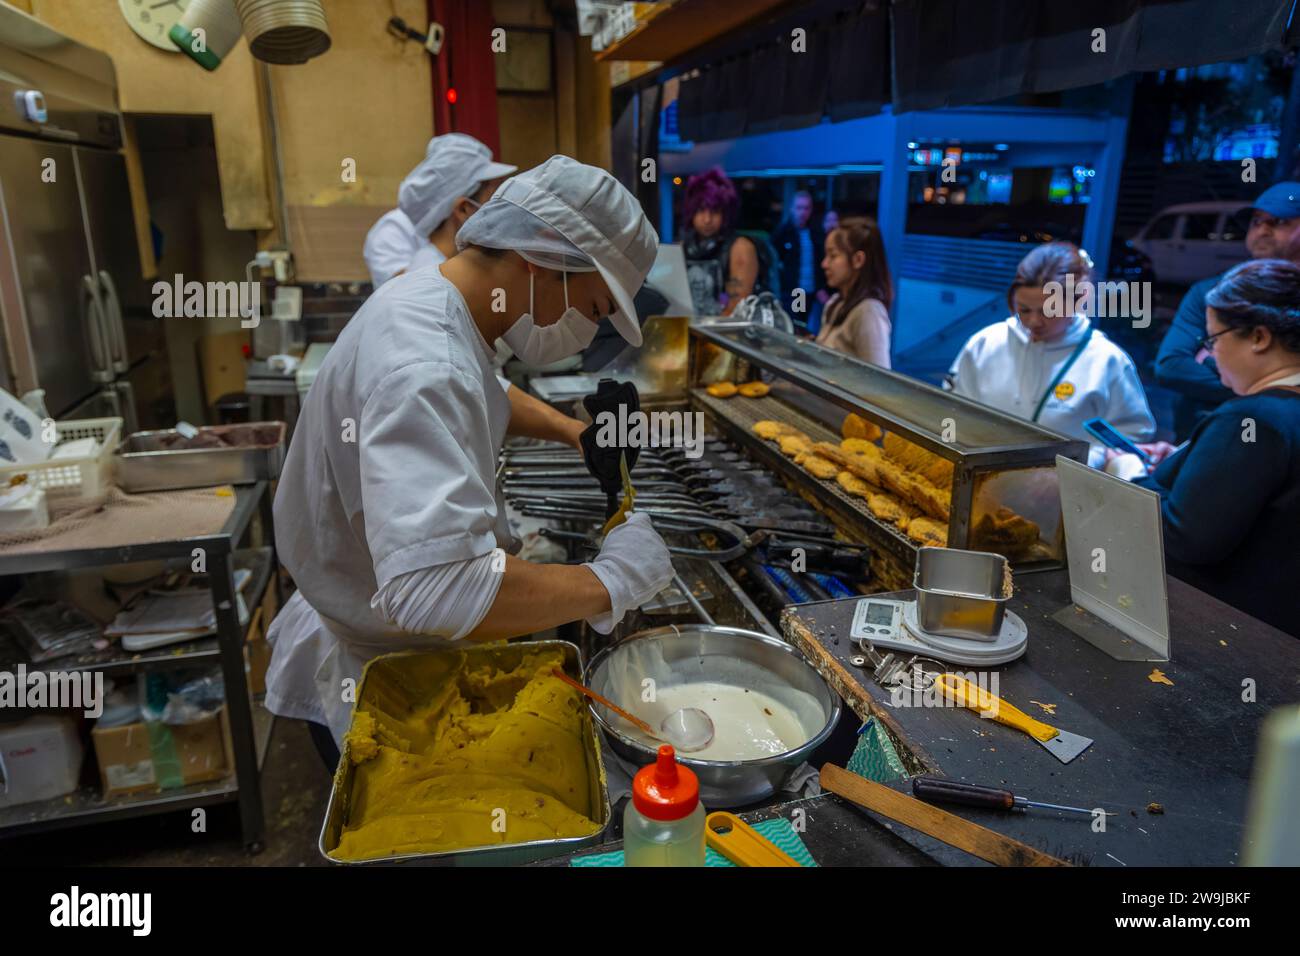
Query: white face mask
[(541, 345)]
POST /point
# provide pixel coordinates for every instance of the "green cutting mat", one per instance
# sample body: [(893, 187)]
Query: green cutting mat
[(780, 831)]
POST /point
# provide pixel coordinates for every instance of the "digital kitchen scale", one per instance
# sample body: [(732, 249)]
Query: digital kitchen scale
[(892, 625)]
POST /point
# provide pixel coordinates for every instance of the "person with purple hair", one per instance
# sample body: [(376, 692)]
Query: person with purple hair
[(721, 266)]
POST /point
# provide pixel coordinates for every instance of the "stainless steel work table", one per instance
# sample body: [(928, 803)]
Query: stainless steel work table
[(250, 725)]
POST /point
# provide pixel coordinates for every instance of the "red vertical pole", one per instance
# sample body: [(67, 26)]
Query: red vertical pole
[(464, 74)]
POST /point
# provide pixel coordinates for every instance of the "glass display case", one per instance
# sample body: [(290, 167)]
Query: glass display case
[(927, 468)]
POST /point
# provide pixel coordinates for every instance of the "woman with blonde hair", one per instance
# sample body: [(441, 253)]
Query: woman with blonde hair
[(856, 320)]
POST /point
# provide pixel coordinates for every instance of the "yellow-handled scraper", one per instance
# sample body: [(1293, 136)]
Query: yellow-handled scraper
[(1061, 744), (742, 844)]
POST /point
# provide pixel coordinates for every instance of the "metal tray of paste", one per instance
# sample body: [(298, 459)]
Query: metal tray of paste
[(508, 656)]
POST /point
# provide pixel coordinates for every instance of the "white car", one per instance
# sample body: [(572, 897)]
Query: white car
[(1194, 241)]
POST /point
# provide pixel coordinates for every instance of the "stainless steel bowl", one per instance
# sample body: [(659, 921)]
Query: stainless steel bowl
[(724, 783)]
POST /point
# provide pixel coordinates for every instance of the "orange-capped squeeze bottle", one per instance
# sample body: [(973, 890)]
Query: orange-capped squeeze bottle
[(663, 824)]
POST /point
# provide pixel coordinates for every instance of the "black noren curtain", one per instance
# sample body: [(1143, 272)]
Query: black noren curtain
[(768, 88), (951, 52), (766, 71), (858, 77), (924, 54), (713, 104)]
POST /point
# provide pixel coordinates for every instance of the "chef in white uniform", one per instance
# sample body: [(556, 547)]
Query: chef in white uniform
[(456, 176), (1053, 366), (387, 513)]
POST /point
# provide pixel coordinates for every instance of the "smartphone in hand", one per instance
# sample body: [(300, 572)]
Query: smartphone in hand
[(1107, 434)]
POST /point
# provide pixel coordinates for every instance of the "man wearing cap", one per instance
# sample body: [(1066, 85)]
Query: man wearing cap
[(1180, 364), (387, 512), (456, 176)]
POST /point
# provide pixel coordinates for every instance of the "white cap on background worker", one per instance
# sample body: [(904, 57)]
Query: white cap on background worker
[(454, 167)]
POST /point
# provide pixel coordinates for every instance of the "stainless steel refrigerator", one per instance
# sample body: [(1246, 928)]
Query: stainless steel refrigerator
[(76, 310)]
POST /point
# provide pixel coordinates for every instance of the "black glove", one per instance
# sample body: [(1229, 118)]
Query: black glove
[(602, 461)]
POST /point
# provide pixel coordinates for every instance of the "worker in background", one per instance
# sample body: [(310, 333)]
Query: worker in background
[(1230, 498), (456, 176), (799, 241), (1049, 364), (387, 513), (856, 320), (1180, 363), (723, 268)]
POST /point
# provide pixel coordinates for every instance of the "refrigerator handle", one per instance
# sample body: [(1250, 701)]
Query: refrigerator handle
[(102, 370), (126, 407), (113, 326)]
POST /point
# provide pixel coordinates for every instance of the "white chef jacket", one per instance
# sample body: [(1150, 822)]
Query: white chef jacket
[(391, 245), (1000, 366), (391, 469)]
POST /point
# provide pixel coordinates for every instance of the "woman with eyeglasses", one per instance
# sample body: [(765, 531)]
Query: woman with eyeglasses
[(1231, 496), (1047, 362)]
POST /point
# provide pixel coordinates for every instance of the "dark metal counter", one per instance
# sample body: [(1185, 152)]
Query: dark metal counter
[(1187, 745)]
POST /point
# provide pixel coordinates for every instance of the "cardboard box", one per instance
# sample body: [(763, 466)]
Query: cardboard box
[(141, 758), (257, 652)]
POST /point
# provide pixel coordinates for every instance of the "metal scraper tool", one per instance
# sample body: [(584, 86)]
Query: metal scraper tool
[(1061, 744)]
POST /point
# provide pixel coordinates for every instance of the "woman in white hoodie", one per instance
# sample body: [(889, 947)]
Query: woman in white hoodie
[(1048, 364)]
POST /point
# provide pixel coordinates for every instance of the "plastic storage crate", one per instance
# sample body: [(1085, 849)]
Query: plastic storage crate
[(74, 478)]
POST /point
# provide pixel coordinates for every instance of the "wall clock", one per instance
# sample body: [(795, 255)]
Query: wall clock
[(151, 19)]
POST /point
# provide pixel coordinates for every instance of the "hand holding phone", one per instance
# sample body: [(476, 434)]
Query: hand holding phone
[(1107, 434)]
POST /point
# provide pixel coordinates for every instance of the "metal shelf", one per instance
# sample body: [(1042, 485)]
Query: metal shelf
[(184, 654), (248, 735), (88, 805)]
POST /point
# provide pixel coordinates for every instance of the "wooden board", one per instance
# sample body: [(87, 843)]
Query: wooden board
[(931, 820)]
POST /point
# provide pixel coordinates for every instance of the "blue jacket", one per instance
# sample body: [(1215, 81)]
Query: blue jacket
[(1231, 506), (1197, 384)]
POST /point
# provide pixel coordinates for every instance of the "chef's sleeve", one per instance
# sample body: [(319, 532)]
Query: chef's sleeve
[(447, 601), (428, 469)]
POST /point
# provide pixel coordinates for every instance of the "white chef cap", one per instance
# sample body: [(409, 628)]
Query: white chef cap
[(452, 167), (565, 215)]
